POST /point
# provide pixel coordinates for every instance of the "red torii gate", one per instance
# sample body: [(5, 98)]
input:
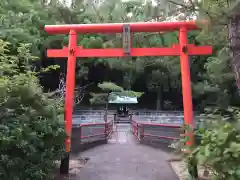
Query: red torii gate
[(183, 49)]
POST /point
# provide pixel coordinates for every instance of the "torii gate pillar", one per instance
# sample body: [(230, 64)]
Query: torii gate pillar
[(69, 98), (186, 81)]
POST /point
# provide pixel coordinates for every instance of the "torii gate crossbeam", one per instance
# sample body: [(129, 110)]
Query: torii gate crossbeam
[(183, 49)]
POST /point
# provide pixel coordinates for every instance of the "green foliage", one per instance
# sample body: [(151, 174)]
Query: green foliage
[(217, 85), (218, 143), (99, 98), (157, 79), (220, 150), (213, 82), (109, 86), (31, 138), (22, 21), (129, 93), (106, 87), (220, 146)]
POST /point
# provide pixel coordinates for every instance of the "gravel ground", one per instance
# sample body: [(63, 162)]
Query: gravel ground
[(123, 159)]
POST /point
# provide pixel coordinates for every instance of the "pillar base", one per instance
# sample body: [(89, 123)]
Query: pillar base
[(64, 167)]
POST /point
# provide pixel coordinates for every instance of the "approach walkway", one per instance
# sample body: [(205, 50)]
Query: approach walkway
[(123, 158)]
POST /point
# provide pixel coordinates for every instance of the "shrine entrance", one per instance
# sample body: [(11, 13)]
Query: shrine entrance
[(183, 49)]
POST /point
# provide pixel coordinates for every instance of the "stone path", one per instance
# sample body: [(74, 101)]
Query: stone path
[(125, 159)]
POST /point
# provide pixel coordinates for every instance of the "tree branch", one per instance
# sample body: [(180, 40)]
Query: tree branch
[(101, 19)]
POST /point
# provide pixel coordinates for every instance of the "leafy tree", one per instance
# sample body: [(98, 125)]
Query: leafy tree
[(31, 138), (156, 82), (108, 88), (209, 88), (82, 12)]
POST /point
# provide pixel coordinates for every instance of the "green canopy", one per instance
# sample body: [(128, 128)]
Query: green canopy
[(118, 99)]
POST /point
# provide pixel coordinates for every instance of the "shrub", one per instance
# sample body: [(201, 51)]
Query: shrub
[(31, 139), (219, 148)]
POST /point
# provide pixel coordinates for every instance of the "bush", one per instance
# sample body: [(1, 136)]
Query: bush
[(219, 148), (220, 144), (31, 139)]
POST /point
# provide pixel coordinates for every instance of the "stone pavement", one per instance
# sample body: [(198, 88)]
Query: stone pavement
[(123, 158)]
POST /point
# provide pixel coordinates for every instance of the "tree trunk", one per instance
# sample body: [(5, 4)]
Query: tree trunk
[(106, 109), (159, 98), (169, 85), (234, 38), (162, 99)]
